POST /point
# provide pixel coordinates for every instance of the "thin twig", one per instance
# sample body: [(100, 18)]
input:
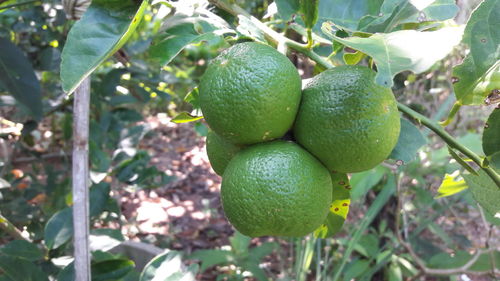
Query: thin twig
[(420, 263), (11, 229)]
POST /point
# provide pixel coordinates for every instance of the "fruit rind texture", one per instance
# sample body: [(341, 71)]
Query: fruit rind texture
[(220, 152), (347, 120), (276, 188), (250, 93)]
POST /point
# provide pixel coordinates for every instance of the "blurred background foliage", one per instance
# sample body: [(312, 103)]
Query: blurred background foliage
[(439, 221)]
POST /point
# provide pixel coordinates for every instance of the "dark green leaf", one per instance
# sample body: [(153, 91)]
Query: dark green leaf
[(22, 249), (168, 266), (18, 78), (20, 269), (347, 13), (485, 191), (59, 228), (409, 142), (111, 269), (100, 161), (491, 133), (259, 252), (355, 269), (479, 74), (287, 8), (185, 117), (460, 258), (107, 270), (104, 29), (169, 45), (210, 258), (339, 207), (402, 50), (367, 245), (99, 196)]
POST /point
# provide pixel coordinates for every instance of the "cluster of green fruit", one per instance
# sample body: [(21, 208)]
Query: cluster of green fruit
[(251, 97)]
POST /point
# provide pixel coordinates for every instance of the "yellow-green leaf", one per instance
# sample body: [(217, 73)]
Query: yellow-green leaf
[(451, 185)]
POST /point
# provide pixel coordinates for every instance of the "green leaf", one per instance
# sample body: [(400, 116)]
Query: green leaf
[(347, 13), (362, 182), (485, 191), (460, 258), (438, 10), (106, 270), (479, 74), (185, 117), (339, 207), (402, 50), (287, 8), (353, 58), (22, 249), (451, 185), (193, 98), (103, 239), (491, 133), (239, 244), (409, 142), (111, 269), (168, 266), (355, 269), (59, 228), (169, 45), (367, 246), (310, 10), (19, 269), (104, 29), (210, 258), (259, 252), (18, 78), (98, 198)]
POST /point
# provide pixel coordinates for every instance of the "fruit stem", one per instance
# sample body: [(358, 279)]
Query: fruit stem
[(451, 141), (309, 39)]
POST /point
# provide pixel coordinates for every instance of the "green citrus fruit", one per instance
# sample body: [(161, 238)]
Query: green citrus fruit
[(220, 152), (276, 188), (347, 120), (250, 93)]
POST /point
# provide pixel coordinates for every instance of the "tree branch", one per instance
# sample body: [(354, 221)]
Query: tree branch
[(452, 142)]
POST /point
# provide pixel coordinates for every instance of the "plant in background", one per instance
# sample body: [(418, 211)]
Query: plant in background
[(392, 206)]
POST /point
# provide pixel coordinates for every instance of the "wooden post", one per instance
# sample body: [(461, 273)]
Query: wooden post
[(80, 174)]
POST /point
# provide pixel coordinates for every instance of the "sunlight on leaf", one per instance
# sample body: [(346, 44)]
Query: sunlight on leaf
[(402, 50), (185, 117), (452, 184)]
